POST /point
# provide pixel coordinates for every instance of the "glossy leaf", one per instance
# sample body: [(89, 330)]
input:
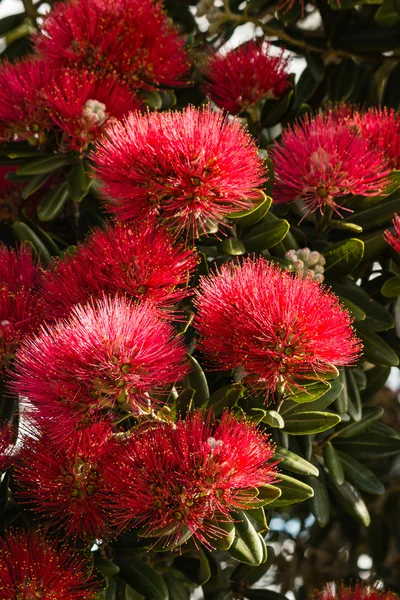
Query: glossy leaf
[(53, 203), (359, 475), (293, 491), (294, 463), (266, 235), (343, 257), (310, 422), (333, 463), (247, 546)]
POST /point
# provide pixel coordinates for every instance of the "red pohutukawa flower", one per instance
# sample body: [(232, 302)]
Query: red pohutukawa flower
[(22, 112), (108, 355), (131, 39), (320, 160), (32, 565), (180, 477), (20, 302), (81, 104), (381, 126), (191, 168), (393, 238), (361, 591), (142, 262), (63, 484), (240, 78), (284, 327)]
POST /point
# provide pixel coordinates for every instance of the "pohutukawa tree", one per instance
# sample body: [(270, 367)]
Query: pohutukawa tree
[(199, 281)]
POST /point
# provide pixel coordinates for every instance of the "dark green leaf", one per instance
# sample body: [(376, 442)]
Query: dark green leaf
[(333, 463), (53, 203), (152, 99), (266, 235), (176, 589), (269, 492), (273, 419), (106, 567), (342, 80), (142, 578), (232, 247), (263, 594), (343, 257), (391, 287), (378, 214), (370, 416), (294, 463), (369, 445), (309, 393), (43, 165), (34, 185), (25, 234), (225, 397), (248, 545), (377, 317), (377, 351), (293, 491), (254, 214), (310, 422), (319, 502), (316, 65), (274, 110), (352, 501), (305, 88), (391, 94), (360, 476), (198, 381), (78, 181)]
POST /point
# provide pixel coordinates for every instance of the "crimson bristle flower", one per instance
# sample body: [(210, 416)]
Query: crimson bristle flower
[(190, 168), (131, 39), (6, 446), (174, 478), (110, 355), (143, 262), (245, 75), (82, 103), (381, 127), (20, 302), (33, 565), (319, 161), (275, 325), (360, 591), (22, 112), (393, 238), (63, 484)]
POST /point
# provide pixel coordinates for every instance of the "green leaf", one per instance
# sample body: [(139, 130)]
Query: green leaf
[(263, 594), (356, 311), (247, 575), (25, 234), (198, 381), (377, 317), (53, 203), (248, 545), (320, 403), (377, 351), (254, 214), (11, 22), (369, 445), (388, 14), (43, 165), (273, 419), (266, 235), (352, 501), (294, 463), (319, 502), (344, 226), (78, 181), (293, 491), (142, 578), (316, 65), (269, 492), (232, 247), (225, 397), (333, 463), (360, 476), (34, 185), (376, 215), (305, 88), (310, 393), (106, 567), (183, 402), (151, 99), (275, 109), (342, 80), (370, 416), (376, 379), (343, 257), (195, 565), (310, 422), (176, 589), (391, 287), (354, 398)]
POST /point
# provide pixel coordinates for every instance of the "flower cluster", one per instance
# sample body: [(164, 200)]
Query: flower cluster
[(110, 355), (308, 264), (21, 305), (133, 40), (237, 80), (320, 160), (286, 327), (143, 262), (172, 478), (190, 168), (33, 565)]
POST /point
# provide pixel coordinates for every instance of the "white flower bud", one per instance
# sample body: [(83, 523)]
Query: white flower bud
[(313, 258), (303, 254), (319, 269), (318, 277), (94, 113), (299, 265)]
